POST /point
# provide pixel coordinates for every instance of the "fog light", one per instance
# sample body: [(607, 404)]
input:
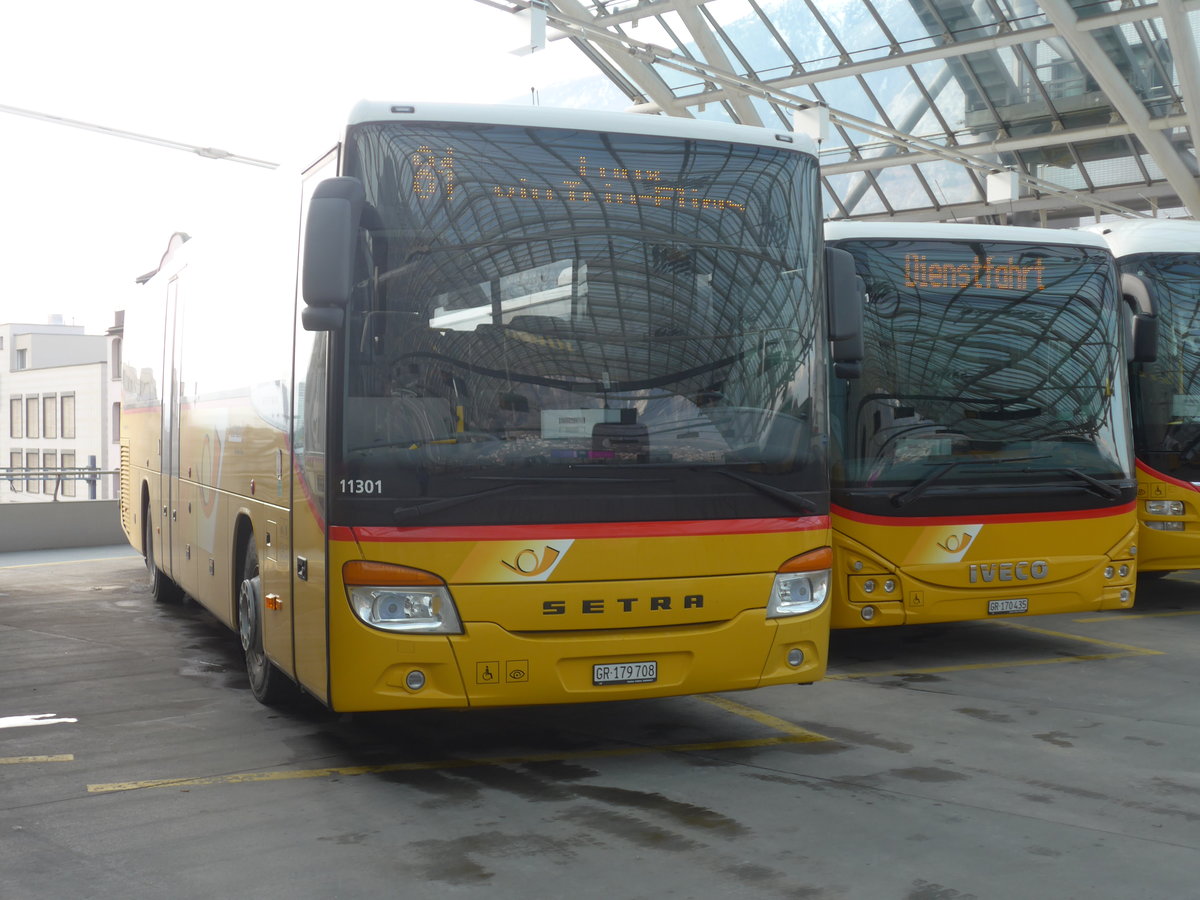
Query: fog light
[(1124, 570), (868, 613), (1126, 596), (1166, 526), (414, 680), (1108, 572), (795, 657)]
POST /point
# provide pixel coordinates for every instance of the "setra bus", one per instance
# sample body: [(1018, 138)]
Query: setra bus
[(538, 416), (1165, 393), (981, 464)]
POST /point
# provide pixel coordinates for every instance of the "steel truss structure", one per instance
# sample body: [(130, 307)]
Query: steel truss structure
[(1019, 111)]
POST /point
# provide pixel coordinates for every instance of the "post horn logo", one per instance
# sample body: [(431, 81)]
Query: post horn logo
[(957, 543), (528, 564)]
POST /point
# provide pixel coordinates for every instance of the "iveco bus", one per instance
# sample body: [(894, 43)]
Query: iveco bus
[(538, 416), (982, 463)]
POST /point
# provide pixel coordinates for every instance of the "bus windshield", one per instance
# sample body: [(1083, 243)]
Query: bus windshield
[(991, 369), (1166, 414), (566, 326)]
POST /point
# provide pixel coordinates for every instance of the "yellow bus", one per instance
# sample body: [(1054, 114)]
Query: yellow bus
[(1165, 256), (533, 411), (982, 462)]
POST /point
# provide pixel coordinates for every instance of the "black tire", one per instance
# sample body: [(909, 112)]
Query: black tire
[(162, 587), (269, 686), (1153, 576)]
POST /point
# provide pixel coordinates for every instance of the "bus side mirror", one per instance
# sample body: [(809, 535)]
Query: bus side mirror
[(844, 293), (1145, 339), (330, 238), (1143, 327)]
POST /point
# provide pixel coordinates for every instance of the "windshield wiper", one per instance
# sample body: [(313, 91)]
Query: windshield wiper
[(906, 497), (1103, 488), (792, 499), (420, 509), (565, 479)]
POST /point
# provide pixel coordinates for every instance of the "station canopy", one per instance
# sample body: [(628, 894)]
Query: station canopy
[(1045, 112)]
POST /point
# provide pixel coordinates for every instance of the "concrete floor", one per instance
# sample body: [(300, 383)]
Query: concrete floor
[(1054, 757)]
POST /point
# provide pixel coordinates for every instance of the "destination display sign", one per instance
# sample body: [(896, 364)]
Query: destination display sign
[(436, 175), (981, 272)]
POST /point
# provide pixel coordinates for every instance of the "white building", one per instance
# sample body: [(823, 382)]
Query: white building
[(61, 392)]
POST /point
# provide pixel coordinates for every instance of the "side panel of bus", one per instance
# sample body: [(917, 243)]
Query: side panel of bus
[(207, 415)]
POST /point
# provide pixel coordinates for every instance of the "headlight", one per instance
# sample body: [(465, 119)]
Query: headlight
[(397, 598), (801, 585), (1164, 507)]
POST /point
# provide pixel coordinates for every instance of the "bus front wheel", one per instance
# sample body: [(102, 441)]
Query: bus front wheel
[(269, 686)]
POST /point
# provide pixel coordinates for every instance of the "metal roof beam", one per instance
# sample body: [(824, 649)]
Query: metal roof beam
[(944, 51), (1005, 145), (1187, 67), (636, 67), (1124, 100), (714, 54), (1122, 196)]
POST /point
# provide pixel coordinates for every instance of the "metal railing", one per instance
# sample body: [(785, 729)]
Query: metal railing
[(32, 481)]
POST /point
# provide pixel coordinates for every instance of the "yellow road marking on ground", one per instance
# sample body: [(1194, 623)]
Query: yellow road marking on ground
[(289, 775), (1078, 637), (756, 715), (1121, 651), (17, 760), (973, 667)]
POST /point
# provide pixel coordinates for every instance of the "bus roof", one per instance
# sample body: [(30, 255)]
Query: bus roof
[(1131, 236), (950, 231), (580, 120)]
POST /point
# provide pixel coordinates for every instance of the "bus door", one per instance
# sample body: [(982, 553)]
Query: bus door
[(310, 434), (169, 556)]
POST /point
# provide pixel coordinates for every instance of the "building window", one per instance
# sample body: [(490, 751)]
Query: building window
[(22, 356), (49, 464), (50, 417), (69, 482), (32, 484), (32, 417), (116, 422), (15, 405), (14, 466), (115, 369), (68, 416)]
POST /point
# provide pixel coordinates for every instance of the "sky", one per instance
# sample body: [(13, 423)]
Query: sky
[(83, 214)]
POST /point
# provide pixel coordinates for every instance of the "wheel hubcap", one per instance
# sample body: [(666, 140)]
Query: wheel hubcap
[(248, 614)]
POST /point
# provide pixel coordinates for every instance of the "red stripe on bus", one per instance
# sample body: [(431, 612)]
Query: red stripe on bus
[(593, 530), (1154, 473), (997, 519)]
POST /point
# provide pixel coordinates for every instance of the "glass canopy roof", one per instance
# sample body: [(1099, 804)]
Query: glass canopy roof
[(1019, 111)]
